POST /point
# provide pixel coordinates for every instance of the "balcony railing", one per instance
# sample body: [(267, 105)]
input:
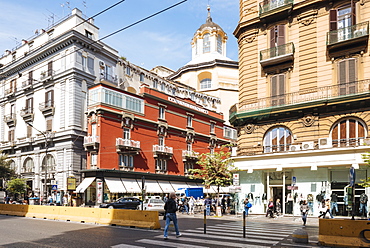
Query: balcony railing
[(189, 154), (10, 118), (47, 75), (26, 111), (274, 6), (27, 84), (348, 33), (277, 54), (46, 105), (91, 139), (127, 143), (10, 91), (162, 149), (303, 96), (109, 78)]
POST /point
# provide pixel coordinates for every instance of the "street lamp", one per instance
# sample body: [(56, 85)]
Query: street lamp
[(44, 199)]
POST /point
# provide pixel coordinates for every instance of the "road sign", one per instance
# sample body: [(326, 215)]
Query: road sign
[(352, 176), (236, 179), (54, 187), (294, 180)]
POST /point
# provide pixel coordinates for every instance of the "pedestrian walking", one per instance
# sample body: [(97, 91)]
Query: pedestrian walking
[(270, 209), (304, 211), (278, 207), (191, 204), (247, 206), (170, 209), (326, 209)]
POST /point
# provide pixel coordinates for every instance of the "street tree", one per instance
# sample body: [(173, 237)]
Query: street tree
[(215, 168), (6, 173), (17, 186), (366, 182)]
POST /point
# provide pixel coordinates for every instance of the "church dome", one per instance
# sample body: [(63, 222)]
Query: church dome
[(209, 23)]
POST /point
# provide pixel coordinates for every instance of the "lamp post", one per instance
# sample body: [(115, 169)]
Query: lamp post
[(44, 199)]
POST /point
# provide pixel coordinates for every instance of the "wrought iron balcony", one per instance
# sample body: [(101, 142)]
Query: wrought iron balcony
[(162, 150), (47, 108), (189, 155), (27, 114), (327, 93), (274, 6), (277, 55), (27, 84), (10, 92), (10, 119), (108, 78), (355, 32), (91, 143), (127, 145), (46, 76)]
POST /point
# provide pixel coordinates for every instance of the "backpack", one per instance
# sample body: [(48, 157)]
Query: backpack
[(271, 205)]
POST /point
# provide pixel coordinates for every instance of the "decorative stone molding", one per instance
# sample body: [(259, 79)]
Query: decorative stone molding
[(249, 36), (308, 120), (249, 128), (307, 17)]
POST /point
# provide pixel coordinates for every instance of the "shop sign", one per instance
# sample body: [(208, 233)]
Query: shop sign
[(293, 187), (71, 183), (236, 180)]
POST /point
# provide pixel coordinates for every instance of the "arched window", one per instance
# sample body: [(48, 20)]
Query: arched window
[(50, 162), (348, 132), (155, 84), (28, 166), (277, 139), (13, 166), (219, 44), (206, 43), (206, 84)]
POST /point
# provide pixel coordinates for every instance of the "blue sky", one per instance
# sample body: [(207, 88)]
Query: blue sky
[(162, 40)]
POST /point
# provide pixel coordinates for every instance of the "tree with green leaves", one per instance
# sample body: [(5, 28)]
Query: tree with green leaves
[(6, 173), (17, 186), (366, 182), (215, 168)]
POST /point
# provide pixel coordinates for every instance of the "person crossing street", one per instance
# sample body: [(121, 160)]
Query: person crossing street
[(170, 209)]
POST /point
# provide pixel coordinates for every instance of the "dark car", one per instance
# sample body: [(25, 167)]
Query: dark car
[(124, 203)]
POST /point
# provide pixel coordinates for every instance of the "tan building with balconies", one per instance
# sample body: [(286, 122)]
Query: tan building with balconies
[(304, 103)]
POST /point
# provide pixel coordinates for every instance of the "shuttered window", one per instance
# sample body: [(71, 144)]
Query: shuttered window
[(348, 132), (50, 68), (278, 90), (347, 76), (49, 125)]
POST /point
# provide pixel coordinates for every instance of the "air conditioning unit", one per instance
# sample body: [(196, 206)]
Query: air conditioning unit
[(308, 145), (101, 63), (325, 143), (294, 148)]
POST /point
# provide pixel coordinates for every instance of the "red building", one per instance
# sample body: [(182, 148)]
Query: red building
[(152, 134)]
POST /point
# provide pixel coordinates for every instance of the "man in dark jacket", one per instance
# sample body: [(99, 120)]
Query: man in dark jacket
[(170, 209)]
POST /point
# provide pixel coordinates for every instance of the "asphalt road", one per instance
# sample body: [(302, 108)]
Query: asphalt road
[(224, 231)]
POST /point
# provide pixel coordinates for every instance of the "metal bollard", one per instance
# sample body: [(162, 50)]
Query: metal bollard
[(244, 227), (205, 221)]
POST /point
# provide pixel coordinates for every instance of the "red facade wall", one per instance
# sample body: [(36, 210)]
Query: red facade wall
[(145, 127)]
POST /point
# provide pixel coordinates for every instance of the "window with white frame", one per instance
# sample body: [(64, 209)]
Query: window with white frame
[(206, 84), (155, 84), (219, 44), (188, 165), (189, 146), (163, 86), (93, 159), (348, 132), (126, 133), (277, 139), (128, 71), (126, 160), (161, 164), (161, 140), (212, 127), (141, 77), (189, 122), (28, 166), (206, 43), (162, 112)]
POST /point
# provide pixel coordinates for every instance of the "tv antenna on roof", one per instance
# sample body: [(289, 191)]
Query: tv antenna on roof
[(66, 4)]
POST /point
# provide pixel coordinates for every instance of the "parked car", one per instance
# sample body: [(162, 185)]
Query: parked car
[(123, 203), (154, 205)]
